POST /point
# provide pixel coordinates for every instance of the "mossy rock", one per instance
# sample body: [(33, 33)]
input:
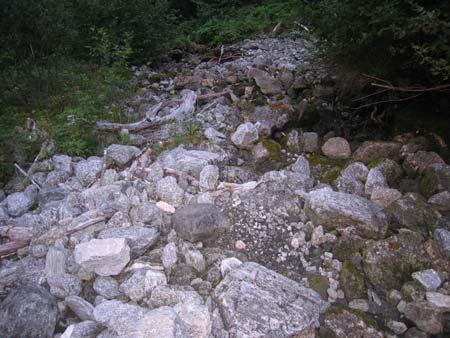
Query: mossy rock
[(325, 169), (436, 178), (319, 284), (413, 291), (273, 148), (345, 247), (352, 282)]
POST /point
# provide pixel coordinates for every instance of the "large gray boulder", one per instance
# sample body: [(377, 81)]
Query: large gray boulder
[(257, 302), (199, 222), (28, 312), (105, 257), (336, 210), (118, 155), (20, 202)]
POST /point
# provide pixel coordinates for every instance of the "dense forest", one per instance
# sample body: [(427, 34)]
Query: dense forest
[(69, 59)]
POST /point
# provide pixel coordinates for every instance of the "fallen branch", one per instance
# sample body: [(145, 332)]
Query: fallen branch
[(23, 172), (412, 89), (387, 101), (20, 237)]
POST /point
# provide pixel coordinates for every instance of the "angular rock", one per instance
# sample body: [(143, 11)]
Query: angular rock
[(255, 301), (105, 257), (28, 312), (83, 309), (352, 178), (436, 178), (20, 202), (337, 148), (169, 256), (229, 264), (171, 295), (199, 222), (86, 329), (107, 287), (196, 318), (442, 238), (245, 136), (169, 191), (139, 239), (440, 201), (418, 162), (336, 209), (397, 327), (62, 163), (384, 197), (429, 279), (371, 151), (375, 179), (439, 300), (352, 282), (142, 282), (118, 155), (195, 259), (265, 82), (209, 177), (146, 213), (89, 170), (426, 316), (50, 195), (214, 136)]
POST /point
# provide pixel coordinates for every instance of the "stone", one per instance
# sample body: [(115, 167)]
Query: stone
[(199, 222), (359, 304), (389, 263), (436, 178), (195, 259), (429, 279), (105, 257), (442, 238), (440, 201), (196, 318), (118, 155), (352, 282), (50, 195), (83, 309), (260, 152), (214, 136), (426, 316), (255, 301), (375, 179), (209, 177), (171, 295), (352, 178), (20, 202), (371, 151), (341, 322), (62, 163), (168, 190), (245, 136), (266, 83), (309, 142), (414, 332), (146, 213), (142, 282), (139, 239), (4, 216), (293, 141), (418, 162), (107, 287), (336, 209), (439, 300), (384, 197), (413, 291), (166, 207), (229, 264), (121, 318), (162, 323), (29, 312), (337, 148), (169, 256), (397, 327), (86, 329), (89, 170), (391, 170)]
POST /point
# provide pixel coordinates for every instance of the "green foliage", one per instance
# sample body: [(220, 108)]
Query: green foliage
[(405, 38)]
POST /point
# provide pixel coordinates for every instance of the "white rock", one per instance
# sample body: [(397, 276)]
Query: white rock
[(245, 136), (105, 257), (166, 207)]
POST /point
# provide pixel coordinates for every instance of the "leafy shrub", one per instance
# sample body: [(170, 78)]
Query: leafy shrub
[(405, 38)]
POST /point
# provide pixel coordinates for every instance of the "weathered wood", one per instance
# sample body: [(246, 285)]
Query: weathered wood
[(20, 237), (12, 247)]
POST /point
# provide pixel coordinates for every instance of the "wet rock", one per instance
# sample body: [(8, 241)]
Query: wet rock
[(265, 82), (347, 323), (440, 201), (245, 136), (142, 282), (418, 162), (256, 301), (389, 263), (28, 312), (371, 151), (89, 170), (199, 222), (169, 191), (107, 287), (426, 316), (429, 279), (442, 238), (436, 178), (83, 309), (139, 239), (352, 178), (335, 210), (105, 257), (118, 155), (20, 202), (337, 148)]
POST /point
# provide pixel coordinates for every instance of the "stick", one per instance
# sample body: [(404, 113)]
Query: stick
[(23, 172), (10, 248), (20, 237)]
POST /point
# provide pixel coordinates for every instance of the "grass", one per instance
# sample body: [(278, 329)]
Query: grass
[(239, 24)]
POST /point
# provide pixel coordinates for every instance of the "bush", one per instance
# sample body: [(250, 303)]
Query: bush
[(395, 38)]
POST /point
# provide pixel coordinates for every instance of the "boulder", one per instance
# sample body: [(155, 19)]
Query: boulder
[(196, 318), (245, 136), (200, 222), (371, 151), (28, 312), (268, 84), (337, 148), (89, 170), (105, 257), (139, 239), (20, 202), (118, 155), (255, 301), (336, 210), (426, 316), (50, 195)]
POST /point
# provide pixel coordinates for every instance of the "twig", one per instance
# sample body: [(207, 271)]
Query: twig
[(386, 101), (412, 89), (23, 172), (370, 95)]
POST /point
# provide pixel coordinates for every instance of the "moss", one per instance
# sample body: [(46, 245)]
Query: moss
[(352, 281), (319, 284), (345, 247), (273, 148), (325, 169), (376, 163), (428, 184), (158, 77)]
